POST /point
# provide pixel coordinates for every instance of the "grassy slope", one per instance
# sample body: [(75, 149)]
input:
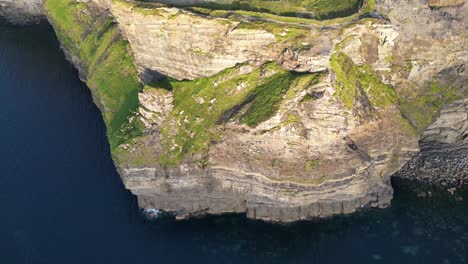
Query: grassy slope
[(347, 76), (108, 65), (269, 95), (193, 124)]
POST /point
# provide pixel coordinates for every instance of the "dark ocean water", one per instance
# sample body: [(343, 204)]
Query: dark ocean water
[(62, 201)]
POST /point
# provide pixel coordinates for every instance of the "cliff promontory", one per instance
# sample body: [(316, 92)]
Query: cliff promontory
[(280, 111)]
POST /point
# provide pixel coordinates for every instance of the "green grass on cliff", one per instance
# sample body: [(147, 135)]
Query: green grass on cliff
[(268, 95), (201, 106), (105, 59), (349, 76), (320, 9), (420, 106)]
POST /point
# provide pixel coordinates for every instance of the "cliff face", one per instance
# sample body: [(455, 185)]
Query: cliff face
[(437, 52), (444, 144), (21, 11), (183, 45), (278, 117), (445, 3)]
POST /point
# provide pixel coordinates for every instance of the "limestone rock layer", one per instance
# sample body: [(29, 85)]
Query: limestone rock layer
[(21, 11)]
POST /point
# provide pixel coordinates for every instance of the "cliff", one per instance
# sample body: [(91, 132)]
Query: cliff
[(21, 11), (284, 118), (444, 147)]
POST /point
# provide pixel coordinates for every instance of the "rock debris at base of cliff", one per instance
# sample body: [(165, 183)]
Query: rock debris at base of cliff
[(283, 112)]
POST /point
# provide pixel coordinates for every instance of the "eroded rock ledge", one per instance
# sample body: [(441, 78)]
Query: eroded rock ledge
[(279, 118)]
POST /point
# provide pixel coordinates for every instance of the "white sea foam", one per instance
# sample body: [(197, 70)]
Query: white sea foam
[(152, 213)]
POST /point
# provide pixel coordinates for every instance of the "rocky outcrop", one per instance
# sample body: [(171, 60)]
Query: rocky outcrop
[(155, 106), (450, 128), (437, 51), (323, 163), (183, 45), (443, 159), (21, 11), (443, 3), (430, 40)]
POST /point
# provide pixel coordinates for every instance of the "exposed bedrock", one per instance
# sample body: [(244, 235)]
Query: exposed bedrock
[(444, 3), (183, 45), (316, 157), (443, 159), (282, 170), (430, 39), (433, 38), (313, 158), (21, 11)]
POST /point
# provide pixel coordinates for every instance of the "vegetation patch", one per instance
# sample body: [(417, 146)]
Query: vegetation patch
[(268, 96), (420, 106), (311, 164), (106, 61), (298, 12), (319, 9), (350, 78)]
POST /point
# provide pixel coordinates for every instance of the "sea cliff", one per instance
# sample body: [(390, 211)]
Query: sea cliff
[(212, 111), (21, 11)]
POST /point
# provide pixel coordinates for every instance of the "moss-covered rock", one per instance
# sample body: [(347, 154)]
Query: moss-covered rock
[(93, 41), (420, 105), (350, 79)]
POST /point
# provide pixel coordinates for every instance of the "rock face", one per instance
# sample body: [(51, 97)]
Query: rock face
[(186, 46), (281, 119), (431, 39), (443, 3), (314, 158), (444, 144), (324, 164), (436, 50), (263, 171), (450, 128), (21, 11)]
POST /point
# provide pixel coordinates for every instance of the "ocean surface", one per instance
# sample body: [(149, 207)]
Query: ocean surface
[(62, 201)]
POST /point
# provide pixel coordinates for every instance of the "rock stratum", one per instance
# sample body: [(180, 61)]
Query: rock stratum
[(212, 110)]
